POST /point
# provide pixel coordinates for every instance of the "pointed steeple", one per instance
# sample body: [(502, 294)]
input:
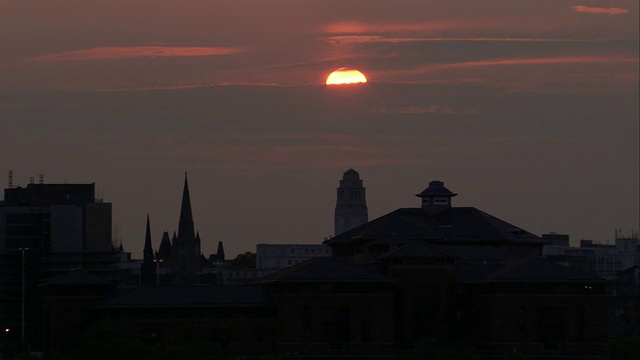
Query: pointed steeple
[(220, 253), (186, 229), (148, 248), (147, 269), (164, 252)]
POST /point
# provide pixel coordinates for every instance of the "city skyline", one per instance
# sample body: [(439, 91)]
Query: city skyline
[(527, 110)]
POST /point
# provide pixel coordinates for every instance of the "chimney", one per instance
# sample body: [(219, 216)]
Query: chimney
[(436, 198)]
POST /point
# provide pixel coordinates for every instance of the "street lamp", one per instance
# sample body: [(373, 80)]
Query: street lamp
[(23, 250), (158, 261)]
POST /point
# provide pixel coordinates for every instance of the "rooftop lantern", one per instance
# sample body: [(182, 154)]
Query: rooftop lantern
[(436, 198)]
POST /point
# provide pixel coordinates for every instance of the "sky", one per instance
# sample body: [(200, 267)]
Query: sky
[(527, 109)]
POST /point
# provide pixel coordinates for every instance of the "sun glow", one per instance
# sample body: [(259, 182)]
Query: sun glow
[(345, 76)]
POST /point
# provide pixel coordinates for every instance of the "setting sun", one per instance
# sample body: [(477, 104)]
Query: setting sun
[(344, 76)]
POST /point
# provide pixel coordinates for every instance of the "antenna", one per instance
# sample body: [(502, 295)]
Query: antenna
[(41, 179), (31, 179), (10, 179)]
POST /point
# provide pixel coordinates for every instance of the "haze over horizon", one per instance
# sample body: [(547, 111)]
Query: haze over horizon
[(528, 110)]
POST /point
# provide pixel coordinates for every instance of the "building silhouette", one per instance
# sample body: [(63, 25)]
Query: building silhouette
[(148, 266), (47, 230), (395, 287), (185, 255), (351, 205), (178, 261), (436, 221), (603, 259)]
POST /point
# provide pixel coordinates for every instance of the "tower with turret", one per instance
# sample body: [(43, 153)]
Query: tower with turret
[(351, 205)]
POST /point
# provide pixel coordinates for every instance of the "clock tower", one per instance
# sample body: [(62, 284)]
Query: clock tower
[(351, 206)]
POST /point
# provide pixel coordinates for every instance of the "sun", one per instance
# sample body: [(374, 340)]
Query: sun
[(344, 76)]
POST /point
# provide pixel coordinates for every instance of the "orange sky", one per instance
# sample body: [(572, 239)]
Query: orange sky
[(517, 105)]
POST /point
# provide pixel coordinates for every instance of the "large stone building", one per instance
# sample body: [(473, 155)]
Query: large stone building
[(436, 221), (479, 281)]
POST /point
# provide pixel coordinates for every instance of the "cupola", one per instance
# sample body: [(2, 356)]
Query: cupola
[(436, 198)]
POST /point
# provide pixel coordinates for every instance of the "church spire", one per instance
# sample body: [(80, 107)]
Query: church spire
[(185, 225), (148, 248), (147, 269)]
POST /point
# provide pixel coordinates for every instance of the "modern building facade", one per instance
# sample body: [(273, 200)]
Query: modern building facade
[(47, 230), (606, 260)]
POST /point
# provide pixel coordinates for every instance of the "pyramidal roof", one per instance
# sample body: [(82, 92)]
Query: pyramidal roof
[(456, 224), (436, 188)]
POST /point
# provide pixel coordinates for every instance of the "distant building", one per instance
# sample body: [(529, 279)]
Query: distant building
[(273, 257), (351, 205), (603, 259), (47, 230)]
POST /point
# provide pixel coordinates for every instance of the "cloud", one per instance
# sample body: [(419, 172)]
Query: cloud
[(517, 62), (599, 10), (189, 86), (123, 52), (543, 61), (363, 39), (361, 27), (431, 109)]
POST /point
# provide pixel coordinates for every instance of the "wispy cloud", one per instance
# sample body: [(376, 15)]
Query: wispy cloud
[(362, 39), (190, 86), (600, 10), (542, 61), (570, 74), (363, 27), (431, 109), (123, 52), (519, 62)]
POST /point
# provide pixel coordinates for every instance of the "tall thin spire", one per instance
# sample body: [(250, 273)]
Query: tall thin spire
[(185, 225), (148, 247), (147, 268), (220, 253)]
